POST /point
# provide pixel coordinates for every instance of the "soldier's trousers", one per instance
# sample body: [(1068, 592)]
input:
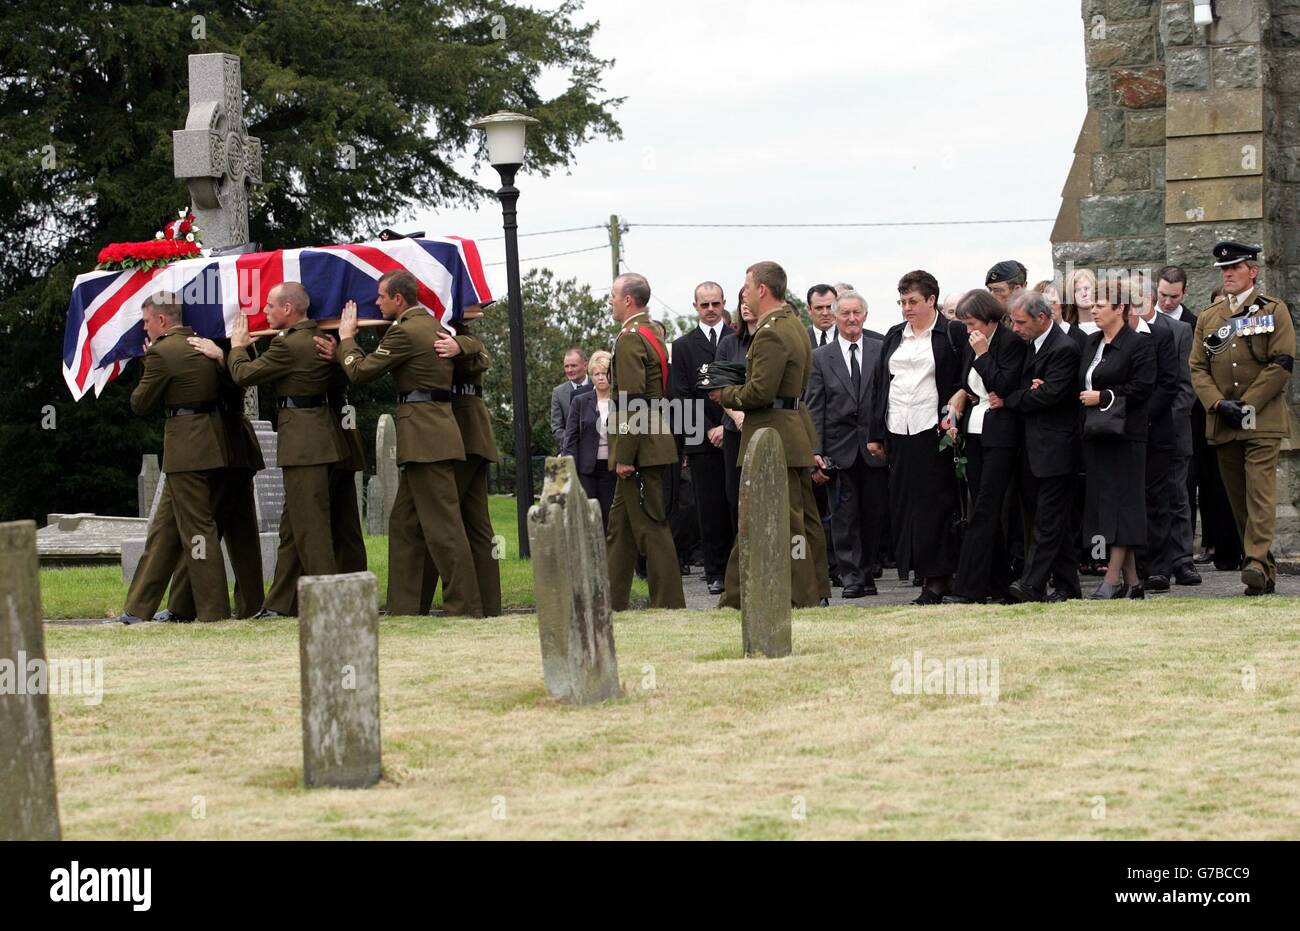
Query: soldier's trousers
[(306, 539), (471, 486), (345, 534), (236, 517), (809, 576), (183, 528), (1249, 470), (639, 526), (426, 522)]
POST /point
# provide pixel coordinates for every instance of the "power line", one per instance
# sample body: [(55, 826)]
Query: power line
[(839, 225), (553, 255), (571, 229)]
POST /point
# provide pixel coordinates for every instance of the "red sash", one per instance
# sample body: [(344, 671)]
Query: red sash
[(647, 333)]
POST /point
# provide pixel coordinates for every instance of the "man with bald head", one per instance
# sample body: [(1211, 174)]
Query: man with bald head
[(310, 440)]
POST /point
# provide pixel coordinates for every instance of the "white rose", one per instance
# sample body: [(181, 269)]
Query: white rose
[(189, 237), (158, 235), (181, 213)]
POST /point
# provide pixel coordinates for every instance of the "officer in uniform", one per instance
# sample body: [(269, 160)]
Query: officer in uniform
[(467, 404), (779, 364), (641, 449), (309, 441), (184, 527), (234, 506), (426, 513), (1241, 361)]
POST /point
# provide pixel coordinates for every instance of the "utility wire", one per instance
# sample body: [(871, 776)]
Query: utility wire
[(571, 229), (553, 255), (837, 225)]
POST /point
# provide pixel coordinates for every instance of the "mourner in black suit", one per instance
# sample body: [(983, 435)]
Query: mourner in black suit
[(822, 332), (991, 364), (586, 436), (703, 443), (1119, 363), (1047, 402), (918, 373), (839, 400)]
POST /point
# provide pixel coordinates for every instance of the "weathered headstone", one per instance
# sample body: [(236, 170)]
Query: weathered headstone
[(375, 525), (29, 805), (146, 484), (571, 581), (386, 464), (765, 547), (214, 153), (338, 655), (268, 484), (70, 539)]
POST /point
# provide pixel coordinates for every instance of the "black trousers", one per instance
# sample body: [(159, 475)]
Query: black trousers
[(709, 477), (599, 486), (862, 494), (1153, 559), (1052, 550), (985, 564)]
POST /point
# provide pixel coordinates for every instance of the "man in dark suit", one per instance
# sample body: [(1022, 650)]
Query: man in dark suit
[(1162, 442), (1048, 403), (843, 287), (701, 433), (839, 401), (1189, 428), (821, 311), (575, 381)]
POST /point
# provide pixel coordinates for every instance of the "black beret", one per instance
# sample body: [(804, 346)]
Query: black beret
[(719, 375), (1230, 253), (1005, 271)]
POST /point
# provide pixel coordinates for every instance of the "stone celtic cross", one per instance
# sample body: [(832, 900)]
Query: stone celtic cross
[(214, 151)]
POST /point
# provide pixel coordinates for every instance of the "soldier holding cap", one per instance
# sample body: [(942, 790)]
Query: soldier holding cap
[(1241, 361)]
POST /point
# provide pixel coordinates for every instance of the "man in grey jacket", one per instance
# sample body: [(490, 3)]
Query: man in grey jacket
[(575, 382)]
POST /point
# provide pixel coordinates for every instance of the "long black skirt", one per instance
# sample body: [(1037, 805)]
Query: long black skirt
[(923, 504), (1115, 508)]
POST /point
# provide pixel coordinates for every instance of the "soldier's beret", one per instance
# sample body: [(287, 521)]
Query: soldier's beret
[(713, 375), (387, 235), (1005, 271), (1230, 253)]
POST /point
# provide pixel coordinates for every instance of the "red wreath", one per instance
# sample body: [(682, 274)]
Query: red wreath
[(177, 240)]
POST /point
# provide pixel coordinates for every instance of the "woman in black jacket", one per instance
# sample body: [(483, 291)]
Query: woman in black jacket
[(734, 347), (991, 362), (1118, 363), (586, 439)]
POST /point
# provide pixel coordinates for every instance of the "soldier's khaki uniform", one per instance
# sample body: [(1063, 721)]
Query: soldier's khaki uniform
[(426, 513), (345, 521), (308, 444), (1253, 365), (235, 510), (186, 384), (639, 437), (471, 475), (778, 366)]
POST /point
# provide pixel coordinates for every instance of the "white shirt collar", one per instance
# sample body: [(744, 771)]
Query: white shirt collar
[(716, 329), (909, 333), (1065, 327), (844, 345), (1143, 326), (575, 385), (1041, 338), (1176, 313)]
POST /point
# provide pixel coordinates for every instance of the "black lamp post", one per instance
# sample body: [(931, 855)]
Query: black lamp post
[(505, 141)]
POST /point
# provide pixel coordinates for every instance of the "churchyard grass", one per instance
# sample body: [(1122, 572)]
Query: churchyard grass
[(1177, 718), (98, 591)]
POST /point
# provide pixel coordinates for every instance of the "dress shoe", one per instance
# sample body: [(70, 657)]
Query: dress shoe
[(928, 597), (1204, 558), (917, 581), (1058, 596), (124, 618), (167, 616), (1020, 593), (1186, 575), (836, 581), (716, 586), (266, 613), (1107, 592), (1156, 583), (824, 603), (1269, 588), (684, 568), (869, 589), (1255, 579), (877, 572), (854, 591), (1138, 592), (958, 600)]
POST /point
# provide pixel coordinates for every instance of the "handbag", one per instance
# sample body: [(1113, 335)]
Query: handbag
[(1106, 423)]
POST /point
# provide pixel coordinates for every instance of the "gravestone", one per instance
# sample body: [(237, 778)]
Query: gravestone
[(146, 484), (765, 547), (386, 464), (268, 484), (571, 581), (359, 492), (375, 525), (216, 156), (338, 655), (71, 539), (29, 805)]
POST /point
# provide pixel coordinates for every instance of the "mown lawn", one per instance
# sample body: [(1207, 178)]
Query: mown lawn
[(1163, 719)]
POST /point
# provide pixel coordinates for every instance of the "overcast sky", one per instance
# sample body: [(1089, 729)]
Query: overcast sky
[(814, 112)]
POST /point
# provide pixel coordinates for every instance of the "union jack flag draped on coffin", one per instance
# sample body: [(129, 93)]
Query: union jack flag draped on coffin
[(105, 326)]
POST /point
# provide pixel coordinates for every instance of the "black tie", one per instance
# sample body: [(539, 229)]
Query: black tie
[(713, 338), (823, 342), (855, 373)]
